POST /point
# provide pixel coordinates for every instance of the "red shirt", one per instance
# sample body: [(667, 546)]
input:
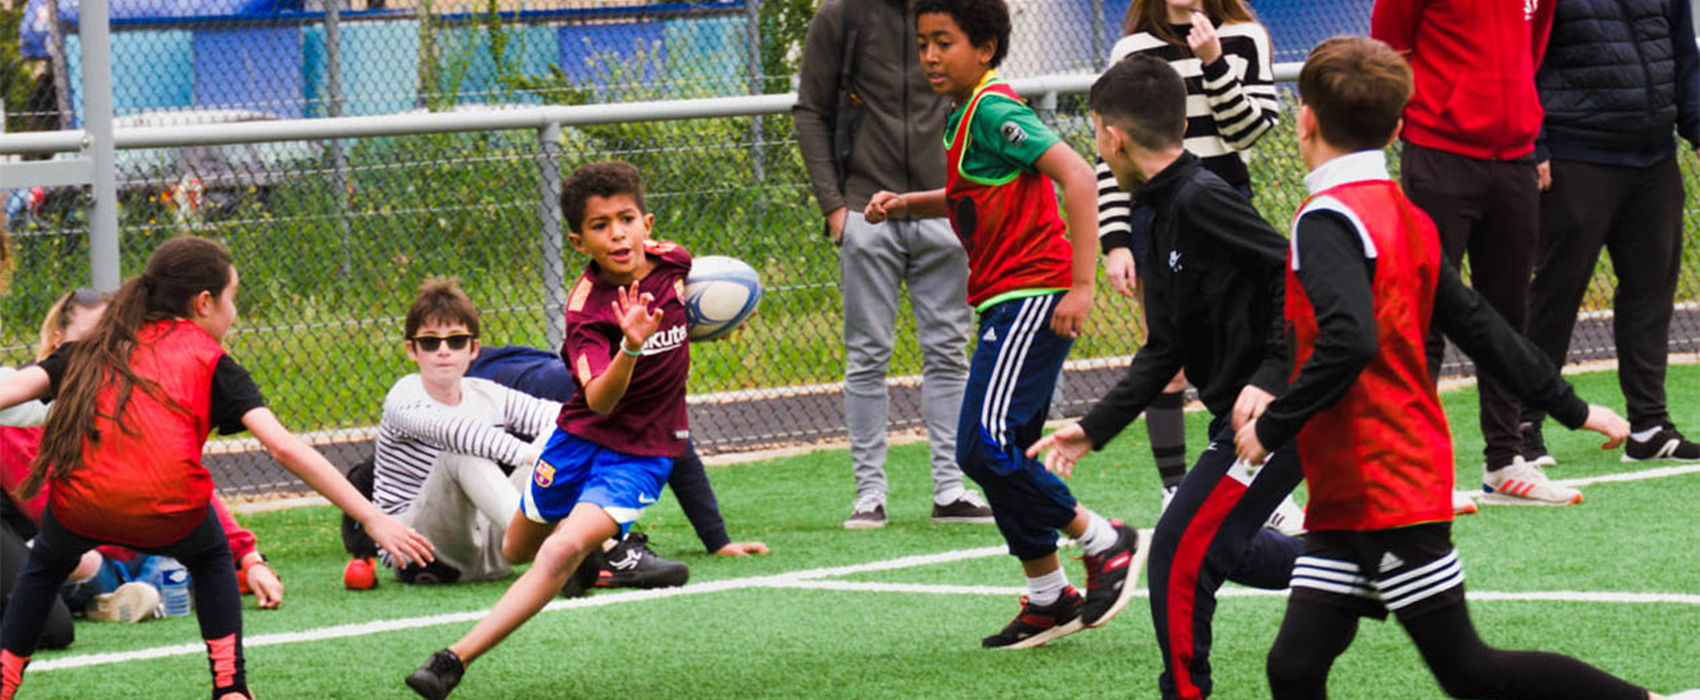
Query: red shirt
[(1381, 456), (650, 418), (1474, 63), (142, 484), (1014, 237)]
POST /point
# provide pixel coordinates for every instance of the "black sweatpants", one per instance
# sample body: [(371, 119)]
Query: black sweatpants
[(1635, 214), (205, 552), (1213, 533), (1490, 210), (1314, 633)]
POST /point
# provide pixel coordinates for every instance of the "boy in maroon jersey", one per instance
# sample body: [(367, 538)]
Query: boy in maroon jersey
[(1031, 278), (1365, 279), (615, 440)]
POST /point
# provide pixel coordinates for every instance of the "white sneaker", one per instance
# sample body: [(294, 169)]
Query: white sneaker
[(132, 602), (1685, 695), (1524, 484), (1464, 503), (1288, 518), (1168, 497)]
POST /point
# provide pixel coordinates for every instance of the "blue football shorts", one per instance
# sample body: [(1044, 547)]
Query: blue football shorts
[(574, 470)]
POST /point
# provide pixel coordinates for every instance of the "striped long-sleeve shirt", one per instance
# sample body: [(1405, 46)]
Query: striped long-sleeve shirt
[(416, 428), (1229, 105)]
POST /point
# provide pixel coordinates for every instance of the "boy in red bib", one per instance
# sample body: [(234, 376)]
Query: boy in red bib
[(1365, 280), (1031, 278)]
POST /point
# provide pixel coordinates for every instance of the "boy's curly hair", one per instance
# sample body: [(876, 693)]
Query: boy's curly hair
[(604, 179), (981, 20)]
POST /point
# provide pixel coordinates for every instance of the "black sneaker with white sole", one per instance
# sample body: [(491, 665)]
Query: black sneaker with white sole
[(1109, 577), (967, 508), (438, 677), (631, 564), (1037, 624), (1667, 443)]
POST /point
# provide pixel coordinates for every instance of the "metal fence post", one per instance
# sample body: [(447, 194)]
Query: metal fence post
[(56, 59), (1098, 54), (97, 123), (339, 159), (554, 251), (752, 37)]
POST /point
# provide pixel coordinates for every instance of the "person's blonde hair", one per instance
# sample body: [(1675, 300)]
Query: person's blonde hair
[(59, 317)]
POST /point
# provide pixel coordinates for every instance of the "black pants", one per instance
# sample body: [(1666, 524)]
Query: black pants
[(1490, 210), (1213, 533), (1314, 633), (205, 552), (1635, 214), (57, 631)]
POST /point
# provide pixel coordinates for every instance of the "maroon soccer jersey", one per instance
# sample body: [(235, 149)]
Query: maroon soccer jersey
[(650, 419)]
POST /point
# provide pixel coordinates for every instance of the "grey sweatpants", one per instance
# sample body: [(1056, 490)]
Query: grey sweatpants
[(464, 508), (876, 260)]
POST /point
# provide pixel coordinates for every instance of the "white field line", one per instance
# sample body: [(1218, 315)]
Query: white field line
[(809, 579)]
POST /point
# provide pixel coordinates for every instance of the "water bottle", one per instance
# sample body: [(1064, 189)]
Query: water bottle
[(173, 588)]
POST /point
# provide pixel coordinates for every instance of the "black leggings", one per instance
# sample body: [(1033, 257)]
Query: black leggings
[(1314, 634), (205, 552), (57, 631)]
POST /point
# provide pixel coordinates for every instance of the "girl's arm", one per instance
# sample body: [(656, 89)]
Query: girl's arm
[(23, 385), (302, 460), (1242, 103), (1080, 201)]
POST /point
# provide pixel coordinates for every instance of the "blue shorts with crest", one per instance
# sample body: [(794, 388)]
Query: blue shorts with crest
[(574, 470)]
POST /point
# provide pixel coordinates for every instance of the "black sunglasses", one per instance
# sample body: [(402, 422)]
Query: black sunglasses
[(430, 343)]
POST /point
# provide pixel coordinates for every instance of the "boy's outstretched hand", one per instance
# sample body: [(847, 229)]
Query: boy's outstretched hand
[(636, 320), (402, 542), (1606, 422), (884, 205), (1067, 445), (741, 549)]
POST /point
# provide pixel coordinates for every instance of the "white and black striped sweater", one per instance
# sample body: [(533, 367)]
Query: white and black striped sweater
[(1230, 104)]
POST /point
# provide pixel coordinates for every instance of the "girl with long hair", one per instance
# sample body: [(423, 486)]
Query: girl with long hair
[(134, 404)]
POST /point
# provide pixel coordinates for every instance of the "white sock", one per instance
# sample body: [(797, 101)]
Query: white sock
[(949, 496), (1099, 537), (1046, 589), (1647, 434)]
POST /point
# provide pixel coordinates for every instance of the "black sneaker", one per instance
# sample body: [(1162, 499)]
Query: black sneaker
[(432, 573), (1109, 578), (1668, 443), (631, 564), (968, 508), (586, 574), (867, 513), (1037, 624), (438, 677), (1535, 446)]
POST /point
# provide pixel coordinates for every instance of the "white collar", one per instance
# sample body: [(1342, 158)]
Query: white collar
[(1352, 167)]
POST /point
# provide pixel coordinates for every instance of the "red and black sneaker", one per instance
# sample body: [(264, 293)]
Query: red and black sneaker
[(1037, 624), (1110, 577)]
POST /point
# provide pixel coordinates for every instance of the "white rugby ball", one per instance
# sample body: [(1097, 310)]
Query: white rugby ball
[(720, 294)]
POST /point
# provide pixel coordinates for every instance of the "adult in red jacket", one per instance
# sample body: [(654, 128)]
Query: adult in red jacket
[(1468, 161)]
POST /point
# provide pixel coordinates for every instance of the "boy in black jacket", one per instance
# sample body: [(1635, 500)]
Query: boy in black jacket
[(1213, 289)]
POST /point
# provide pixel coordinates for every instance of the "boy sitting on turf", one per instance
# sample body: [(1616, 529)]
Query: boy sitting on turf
[(1365, 281), (1031, 279), (614, 442), (446, 443), (1213, 275)]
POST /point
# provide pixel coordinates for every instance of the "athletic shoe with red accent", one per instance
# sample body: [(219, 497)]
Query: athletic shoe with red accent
[(632, 564), (1110, 576), (1524, 484), (1464, 503), (438, 677), (1037, 624)]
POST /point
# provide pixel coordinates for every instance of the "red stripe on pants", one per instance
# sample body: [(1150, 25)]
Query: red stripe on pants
[(1183, 578)]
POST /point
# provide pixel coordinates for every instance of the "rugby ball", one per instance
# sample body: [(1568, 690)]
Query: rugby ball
[(720, 294)]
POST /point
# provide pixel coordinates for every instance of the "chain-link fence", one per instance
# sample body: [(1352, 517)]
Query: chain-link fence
[(334, 237)]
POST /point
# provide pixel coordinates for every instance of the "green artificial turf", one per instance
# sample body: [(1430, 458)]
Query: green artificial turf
[(762, 642)]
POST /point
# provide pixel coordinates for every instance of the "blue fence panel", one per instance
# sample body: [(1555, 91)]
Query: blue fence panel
[(151, 70), (1297, 25), (256, 68), (380, 67)]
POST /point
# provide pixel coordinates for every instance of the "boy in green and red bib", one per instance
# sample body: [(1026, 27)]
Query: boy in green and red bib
[(1031, 278)]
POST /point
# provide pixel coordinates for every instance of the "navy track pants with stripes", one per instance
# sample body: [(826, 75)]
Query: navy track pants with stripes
[(1213, 532), (1010, 380)]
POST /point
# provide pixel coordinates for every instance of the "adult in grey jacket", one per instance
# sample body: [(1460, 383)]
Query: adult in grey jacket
[(867, 121), (1620, 78)]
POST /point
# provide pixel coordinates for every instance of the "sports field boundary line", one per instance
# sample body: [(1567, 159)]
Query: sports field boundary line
[(1654, 473), (1235, 592)]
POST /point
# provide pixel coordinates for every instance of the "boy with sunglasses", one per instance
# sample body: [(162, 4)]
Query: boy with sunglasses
[(448, 462)]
